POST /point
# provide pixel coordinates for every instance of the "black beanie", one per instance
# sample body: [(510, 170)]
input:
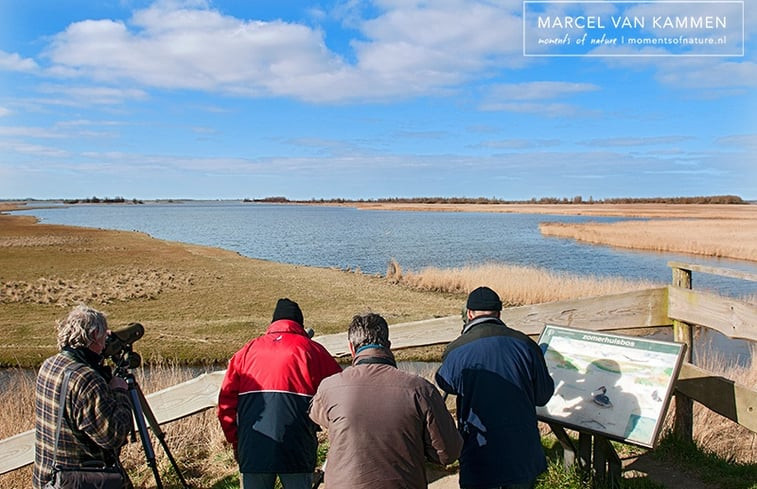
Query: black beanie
[(287, 309), (484, 299)]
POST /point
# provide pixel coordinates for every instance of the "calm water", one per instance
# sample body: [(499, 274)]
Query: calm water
[(348, 238)]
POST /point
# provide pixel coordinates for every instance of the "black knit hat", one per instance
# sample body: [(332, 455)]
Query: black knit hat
[(484, 299), (287, 309)]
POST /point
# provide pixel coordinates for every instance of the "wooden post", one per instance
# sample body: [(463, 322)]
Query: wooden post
[(595, 455), (614, 465), (683, 333), (599, 463), (602, 464), (569, 449), (584, 450)]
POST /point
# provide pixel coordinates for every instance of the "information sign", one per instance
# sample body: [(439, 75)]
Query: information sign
[(612, 385)]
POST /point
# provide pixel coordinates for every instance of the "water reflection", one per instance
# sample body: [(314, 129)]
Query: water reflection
[(713, 347)]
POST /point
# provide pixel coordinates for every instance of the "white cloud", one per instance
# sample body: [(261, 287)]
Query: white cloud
[(739, 140), (547, 110), (14, 62), (539, 90), (703, 73), (532, 97), (516, 144), (202, 49), (636, 141), (451, 37), (73, 95), (86, 122), (183, 46), (29, 132), (36, 150), (5, 112)]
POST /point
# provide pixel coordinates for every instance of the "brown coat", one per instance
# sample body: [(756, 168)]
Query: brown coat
[(383, 424)]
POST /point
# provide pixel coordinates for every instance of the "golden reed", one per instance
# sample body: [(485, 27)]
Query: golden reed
[(727, 238), (516, 285)]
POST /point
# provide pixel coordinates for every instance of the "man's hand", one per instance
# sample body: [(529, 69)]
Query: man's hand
[(118, 383)]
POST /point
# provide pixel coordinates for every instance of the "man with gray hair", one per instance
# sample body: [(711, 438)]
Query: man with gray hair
[(383, 424), (97, 414)]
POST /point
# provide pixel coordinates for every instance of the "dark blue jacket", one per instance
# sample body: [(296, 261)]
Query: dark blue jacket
[(499, 377)]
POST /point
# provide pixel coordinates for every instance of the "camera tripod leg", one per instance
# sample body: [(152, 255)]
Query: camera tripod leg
[(159, 434), (136, 405)]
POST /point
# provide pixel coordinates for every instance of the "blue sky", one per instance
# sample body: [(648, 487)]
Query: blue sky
[(392, 98)]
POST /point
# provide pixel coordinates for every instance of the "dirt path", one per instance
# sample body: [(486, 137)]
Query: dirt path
[(662, 473), (635, 467)]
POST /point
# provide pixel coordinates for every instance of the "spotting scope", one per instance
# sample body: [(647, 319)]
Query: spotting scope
[(121, 340)]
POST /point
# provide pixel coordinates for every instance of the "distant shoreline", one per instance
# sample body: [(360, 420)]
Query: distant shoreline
[(688, 211), (693, 209)]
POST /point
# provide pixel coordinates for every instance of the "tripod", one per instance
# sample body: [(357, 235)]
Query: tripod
[(142, 411)]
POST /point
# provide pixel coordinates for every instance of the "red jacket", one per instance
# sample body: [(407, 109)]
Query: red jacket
[(265, 395)]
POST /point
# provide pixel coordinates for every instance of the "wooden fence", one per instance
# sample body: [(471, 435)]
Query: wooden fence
[(676, 305)]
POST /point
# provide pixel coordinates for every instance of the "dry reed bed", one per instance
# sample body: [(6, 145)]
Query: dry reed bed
[(516, 285), (709, 237), (718, 434)]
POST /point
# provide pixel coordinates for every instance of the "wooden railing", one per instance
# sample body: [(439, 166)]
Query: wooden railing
[(733, 318), (676, 305)]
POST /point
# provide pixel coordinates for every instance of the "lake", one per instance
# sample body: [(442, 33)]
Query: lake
[(366, 240)]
